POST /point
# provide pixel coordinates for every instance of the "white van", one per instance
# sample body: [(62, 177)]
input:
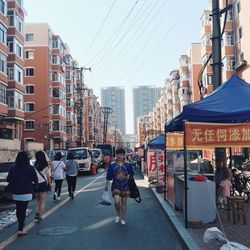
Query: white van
[(83, 157)]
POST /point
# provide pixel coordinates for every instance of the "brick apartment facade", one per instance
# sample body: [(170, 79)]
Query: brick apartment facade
[(11, 70)]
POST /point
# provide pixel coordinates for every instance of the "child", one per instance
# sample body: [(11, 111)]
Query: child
[(224, 191)]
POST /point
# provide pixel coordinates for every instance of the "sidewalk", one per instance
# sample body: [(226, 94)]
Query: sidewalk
[(192, 238)]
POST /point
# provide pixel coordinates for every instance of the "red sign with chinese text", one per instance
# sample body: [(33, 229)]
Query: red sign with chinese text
[(211, 135), (174, 141)]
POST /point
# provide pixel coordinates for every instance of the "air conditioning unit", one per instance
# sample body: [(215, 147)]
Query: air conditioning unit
[(240, 64)]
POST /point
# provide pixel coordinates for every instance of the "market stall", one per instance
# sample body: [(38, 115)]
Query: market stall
[(216, 121)]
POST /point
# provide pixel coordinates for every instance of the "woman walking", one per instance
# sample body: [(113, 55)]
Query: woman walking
[(72, 168), (44, 183), (119, 171), (21, 178), (58, 168)]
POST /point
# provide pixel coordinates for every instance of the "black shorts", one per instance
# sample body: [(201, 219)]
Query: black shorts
[(41, 187)]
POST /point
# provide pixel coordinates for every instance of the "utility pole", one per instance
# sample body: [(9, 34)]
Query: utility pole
[(106, 112), (216, 55), (81, 97), (216, 44)]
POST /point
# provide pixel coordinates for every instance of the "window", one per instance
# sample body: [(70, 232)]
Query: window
[(15, 73), (29, 124), (55, 92), (240, 34), (3, 63), (228, 38), (30, 89), (15, 99), (3, 6), (10, 15), (18, 23), (29, 37), (10, 43), (29, 54), (3, 94), (29, 106), (55, 43), (18, 48), (29, 72), (3, 34), (55, 76), (238, 8), (54, 59)]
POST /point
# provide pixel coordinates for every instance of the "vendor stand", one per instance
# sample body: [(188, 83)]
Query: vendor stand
[(222, 116)]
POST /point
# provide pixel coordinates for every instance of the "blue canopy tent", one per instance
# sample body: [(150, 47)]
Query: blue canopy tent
[(229, 103), (157, 143)]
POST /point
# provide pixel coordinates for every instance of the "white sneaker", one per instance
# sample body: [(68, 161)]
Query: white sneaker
[(117, 219), (58, 198), (123, 222)]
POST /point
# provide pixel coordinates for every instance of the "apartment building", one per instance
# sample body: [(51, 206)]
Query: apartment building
[(50, 80), (235, 43), (144, 99), (92, 119), (114, 97), (144, 128), (71, 97), (11, 70)]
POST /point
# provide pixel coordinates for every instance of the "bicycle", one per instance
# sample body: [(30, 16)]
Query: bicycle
[(240, 184)]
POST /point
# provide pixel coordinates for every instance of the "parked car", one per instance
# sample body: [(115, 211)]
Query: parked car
[(83, 156), (97, 157), (4, 170)]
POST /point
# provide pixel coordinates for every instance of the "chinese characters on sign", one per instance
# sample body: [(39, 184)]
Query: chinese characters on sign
[(174, 141), (210, 135)]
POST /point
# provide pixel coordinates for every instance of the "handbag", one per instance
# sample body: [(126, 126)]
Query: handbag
[(133, 189), (105, 199), (42, 186)]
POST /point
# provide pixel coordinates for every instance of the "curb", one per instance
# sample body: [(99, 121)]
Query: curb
[(186, 239)]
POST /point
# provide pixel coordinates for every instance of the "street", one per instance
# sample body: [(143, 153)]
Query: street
[(83, 223)]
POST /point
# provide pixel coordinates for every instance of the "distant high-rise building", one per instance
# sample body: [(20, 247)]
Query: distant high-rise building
[(144, 99), (114, 97)]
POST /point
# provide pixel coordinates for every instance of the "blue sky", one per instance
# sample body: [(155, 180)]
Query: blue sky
[(125, 42)]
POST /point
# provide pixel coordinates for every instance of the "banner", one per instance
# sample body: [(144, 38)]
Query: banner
[(212, 135), (151, 163), (174, 141), (160, 167)]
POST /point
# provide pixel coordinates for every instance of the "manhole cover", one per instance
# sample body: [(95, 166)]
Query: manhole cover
[(59, 230)]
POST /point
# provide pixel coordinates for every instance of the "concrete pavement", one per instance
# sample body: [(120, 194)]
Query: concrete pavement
[(192, 238)]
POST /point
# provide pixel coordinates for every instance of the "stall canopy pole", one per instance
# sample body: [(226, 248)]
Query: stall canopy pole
[(165, 165), (185, 177)]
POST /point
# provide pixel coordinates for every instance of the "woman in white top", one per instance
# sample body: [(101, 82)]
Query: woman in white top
[(58, 168), (44, 182)]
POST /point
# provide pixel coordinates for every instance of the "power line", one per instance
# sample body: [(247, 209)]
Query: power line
[(118, 29), (98, 32), (152, 52), (130, 26), (147, 41), (132, 41)]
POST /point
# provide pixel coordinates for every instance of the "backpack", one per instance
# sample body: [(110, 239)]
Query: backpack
[(133, 189)]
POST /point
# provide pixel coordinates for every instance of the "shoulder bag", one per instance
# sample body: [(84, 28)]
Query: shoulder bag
[(133, 189)]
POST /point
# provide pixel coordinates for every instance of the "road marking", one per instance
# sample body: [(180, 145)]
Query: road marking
[(52, 210)]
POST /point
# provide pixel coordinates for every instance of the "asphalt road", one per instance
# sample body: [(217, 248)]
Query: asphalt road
[(83, 223)]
